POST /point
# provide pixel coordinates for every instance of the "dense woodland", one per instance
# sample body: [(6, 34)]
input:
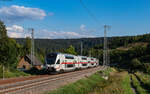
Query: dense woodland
[(128, 52)]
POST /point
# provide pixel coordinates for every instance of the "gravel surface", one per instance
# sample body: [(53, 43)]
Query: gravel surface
[(48, 82)]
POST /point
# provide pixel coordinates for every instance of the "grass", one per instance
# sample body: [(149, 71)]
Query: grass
[(118, 83), (137, 86), (142, 83), (12, 73), (82, 86), (126, 85), (145, 78)]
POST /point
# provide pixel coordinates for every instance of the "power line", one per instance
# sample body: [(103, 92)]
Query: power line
[(89, 12)]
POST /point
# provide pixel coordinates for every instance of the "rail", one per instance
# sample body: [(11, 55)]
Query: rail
[(43, 84)]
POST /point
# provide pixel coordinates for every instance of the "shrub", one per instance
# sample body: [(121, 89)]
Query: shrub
[(146, 67), (135, 64)]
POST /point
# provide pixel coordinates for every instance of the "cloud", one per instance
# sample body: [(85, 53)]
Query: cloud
[(15, 28), (82, 27), (50, 13), (15, 31), (60, 34), (15, 13), (15, 35)]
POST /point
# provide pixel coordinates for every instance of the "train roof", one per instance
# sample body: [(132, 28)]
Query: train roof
[(61, 53), (71, 55)]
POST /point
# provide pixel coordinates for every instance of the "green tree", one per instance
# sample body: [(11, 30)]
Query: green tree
[(3, 31), (27, 46), (8, 52), (71, 50), (146, 67), (8, 48), (135, 64), (3, 43)]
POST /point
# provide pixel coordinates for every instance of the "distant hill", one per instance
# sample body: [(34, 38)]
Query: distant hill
[(57, 44), (54, 45)]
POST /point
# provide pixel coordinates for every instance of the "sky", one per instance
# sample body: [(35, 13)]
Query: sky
[(54, 19)]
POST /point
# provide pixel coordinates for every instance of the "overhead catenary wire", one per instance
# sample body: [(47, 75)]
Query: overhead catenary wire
[(95, 19), (89, 12), (44, 25)]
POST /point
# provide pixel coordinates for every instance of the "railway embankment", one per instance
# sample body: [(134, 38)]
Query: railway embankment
[(47, 83), (108, 81)]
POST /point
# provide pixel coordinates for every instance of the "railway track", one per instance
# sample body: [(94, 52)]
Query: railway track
[(46, 83)]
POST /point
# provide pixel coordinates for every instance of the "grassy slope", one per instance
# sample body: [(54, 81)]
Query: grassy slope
[(142, 87), (126, 85), (82, 86), (118, 83), (14, 73), (137, 86)]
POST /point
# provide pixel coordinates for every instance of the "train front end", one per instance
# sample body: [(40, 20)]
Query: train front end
[(50, 62)]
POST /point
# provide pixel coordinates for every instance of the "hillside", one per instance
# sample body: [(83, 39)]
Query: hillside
[(56, 45), (53, 45), (131, 45)]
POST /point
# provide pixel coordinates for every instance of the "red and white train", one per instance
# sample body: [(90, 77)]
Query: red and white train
[(59, 62)]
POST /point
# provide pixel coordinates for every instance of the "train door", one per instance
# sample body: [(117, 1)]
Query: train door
[(89, 62), (69, 63), (84, 62), (76, 62), (79, 62), (92, 62), (58, 63)]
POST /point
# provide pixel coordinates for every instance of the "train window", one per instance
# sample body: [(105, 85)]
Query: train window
[(83, 58), (92, 59), (84, 64), (70, 65), (52, 55), (69, 57), (58, 62), (50, 58)]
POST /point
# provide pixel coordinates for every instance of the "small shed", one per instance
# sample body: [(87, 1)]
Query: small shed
[(26, 63)]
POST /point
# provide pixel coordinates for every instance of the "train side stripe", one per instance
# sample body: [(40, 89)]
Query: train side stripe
[(76, 63)]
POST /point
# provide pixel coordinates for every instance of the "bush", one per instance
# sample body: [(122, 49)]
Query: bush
[(146, 67), (12, 73), (135, 64)]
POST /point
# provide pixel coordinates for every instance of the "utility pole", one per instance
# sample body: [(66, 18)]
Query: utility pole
[(81, 47), (105, 49), (3, 72), (32, 45), (32, 42), (89, 53)]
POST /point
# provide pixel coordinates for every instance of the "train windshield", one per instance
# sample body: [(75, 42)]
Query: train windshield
[(51, 58)]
